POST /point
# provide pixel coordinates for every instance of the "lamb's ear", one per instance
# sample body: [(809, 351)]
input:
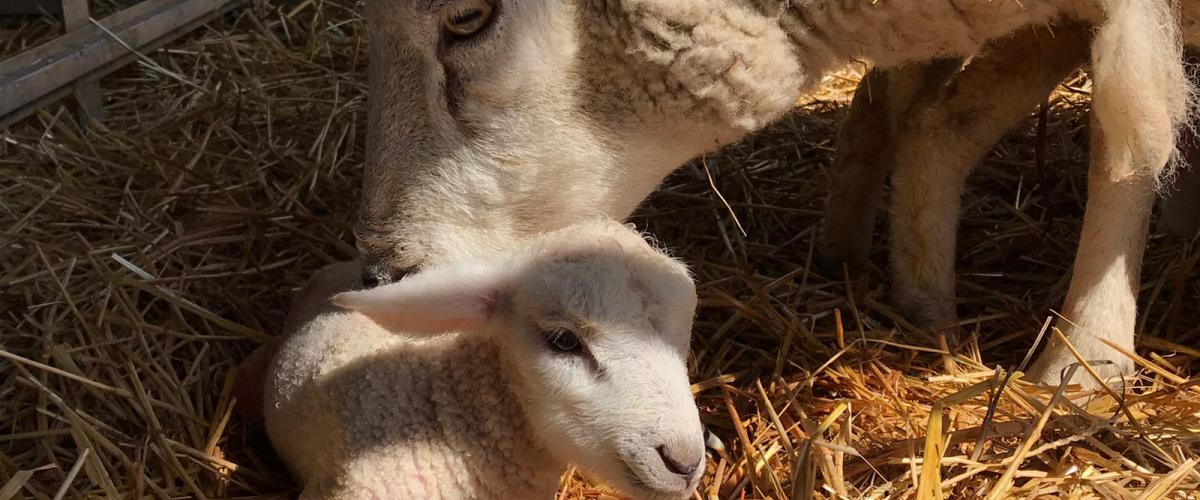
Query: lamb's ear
[(459, 297), (584, 248)]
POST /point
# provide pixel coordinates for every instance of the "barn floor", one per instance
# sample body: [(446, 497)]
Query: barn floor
[(141, 262)]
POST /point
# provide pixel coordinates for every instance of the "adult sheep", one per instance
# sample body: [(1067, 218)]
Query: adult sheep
[(492, 119)]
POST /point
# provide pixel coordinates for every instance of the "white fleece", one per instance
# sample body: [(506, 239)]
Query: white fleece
[(359, 412)]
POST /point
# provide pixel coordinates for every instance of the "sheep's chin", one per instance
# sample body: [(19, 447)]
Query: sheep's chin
[(641, 476), (628, 474)]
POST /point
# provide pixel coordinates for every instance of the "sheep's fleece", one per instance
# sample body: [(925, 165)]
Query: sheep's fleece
[(746, 61), (358, 411)]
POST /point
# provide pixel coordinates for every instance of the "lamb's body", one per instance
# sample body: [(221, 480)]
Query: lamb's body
[(370, 403), (360, 412)]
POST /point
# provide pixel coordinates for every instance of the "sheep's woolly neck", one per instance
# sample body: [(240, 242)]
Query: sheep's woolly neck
[(743, 63), (362, 413)]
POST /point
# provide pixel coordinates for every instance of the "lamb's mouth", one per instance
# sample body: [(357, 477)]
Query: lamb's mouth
[(631, 473)]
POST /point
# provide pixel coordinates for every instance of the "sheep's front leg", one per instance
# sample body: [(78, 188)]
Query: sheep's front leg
[(1139, 97), (946, 137), (863, 158), (1102, 300)]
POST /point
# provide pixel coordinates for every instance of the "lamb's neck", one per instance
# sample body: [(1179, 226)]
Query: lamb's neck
[(461, 431), (830, 33)]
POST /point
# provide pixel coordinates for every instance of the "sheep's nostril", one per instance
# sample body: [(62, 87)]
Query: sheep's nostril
[(673, 465), (369, 279), (373, 276)]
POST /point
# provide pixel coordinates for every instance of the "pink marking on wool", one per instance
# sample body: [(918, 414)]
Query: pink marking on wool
[(420, 473), (405, 475)]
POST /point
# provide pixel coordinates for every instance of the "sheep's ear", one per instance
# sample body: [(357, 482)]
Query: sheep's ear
[(454, 298)]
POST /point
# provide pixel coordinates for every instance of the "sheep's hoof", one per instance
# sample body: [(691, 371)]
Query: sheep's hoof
[(1055, 362), (927, 311)]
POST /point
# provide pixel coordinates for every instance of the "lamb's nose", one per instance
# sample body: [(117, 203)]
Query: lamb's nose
[(673, 465)]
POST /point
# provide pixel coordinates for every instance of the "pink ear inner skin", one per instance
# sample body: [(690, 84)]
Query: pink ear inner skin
[(398, 321)]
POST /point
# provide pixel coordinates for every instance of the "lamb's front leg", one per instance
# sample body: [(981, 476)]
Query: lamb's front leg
[(944, 140)]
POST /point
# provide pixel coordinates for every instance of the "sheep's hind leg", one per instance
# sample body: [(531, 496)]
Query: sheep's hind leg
[(863, 159), (946, 137), (856, 178)]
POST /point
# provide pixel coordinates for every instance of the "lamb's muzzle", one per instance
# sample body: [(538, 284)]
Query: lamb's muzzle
[(685, 469)]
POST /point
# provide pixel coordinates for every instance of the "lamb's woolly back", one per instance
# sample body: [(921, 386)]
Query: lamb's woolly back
[(359, 412)]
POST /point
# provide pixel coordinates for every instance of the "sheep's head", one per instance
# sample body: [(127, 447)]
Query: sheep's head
[(596, 324), (490, 120)]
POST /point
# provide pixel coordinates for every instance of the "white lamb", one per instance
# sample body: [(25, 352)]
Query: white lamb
[(570, 348)]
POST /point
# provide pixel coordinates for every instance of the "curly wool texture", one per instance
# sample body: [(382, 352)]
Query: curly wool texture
[(827, 33), (1139, 117), (712, 60), (359, 412), (743, 63)]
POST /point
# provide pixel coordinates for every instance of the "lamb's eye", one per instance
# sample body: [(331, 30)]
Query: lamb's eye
[(563, 340), (469, 17)]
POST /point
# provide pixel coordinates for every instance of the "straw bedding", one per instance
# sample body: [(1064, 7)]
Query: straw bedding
[(142, 261)]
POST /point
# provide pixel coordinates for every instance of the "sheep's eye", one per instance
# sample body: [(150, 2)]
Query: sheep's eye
[(469, 18), (563, 340)]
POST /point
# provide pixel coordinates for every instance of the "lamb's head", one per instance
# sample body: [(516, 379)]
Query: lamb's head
[(491, 120), (595, 323)]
